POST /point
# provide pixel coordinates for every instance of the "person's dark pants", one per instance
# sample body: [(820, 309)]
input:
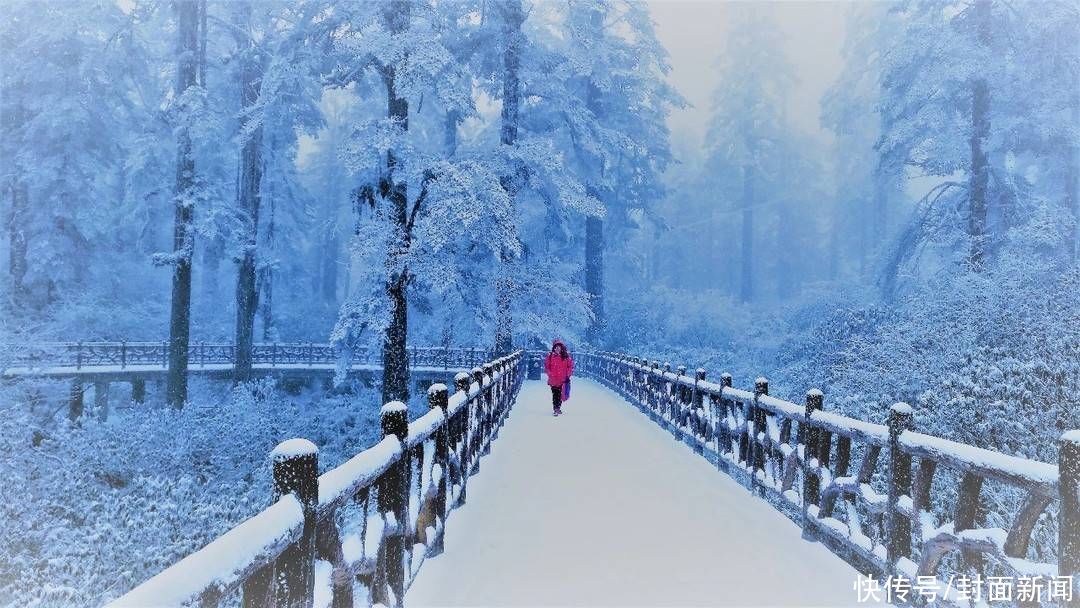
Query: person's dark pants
[(556, 397)]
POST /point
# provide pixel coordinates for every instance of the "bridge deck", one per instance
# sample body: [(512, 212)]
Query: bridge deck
[(602, 507)]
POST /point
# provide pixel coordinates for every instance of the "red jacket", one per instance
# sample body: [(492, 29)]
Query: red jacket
[(558, 369)]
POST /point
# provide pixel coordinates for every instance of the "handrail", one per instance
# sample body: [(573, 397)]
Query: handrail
[(416, 476), (25, 358), (878, 515)]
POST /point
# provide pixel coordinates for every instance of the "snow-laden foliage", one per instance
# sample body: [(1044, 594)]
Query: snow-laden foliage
[(499, 173), (93, 509)]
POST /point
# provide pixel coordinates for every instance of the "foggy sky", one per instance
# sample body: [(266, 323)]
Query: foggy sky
[(693, 33)]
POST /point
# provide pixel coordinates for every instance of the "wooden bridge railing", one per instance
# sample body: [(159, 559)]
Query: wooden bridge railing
[(865, 489), (357, 533), (123, 355)]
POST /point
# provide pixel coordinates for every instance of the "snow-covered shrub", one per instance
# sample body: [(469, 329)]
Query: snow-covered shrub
[(92, 509)]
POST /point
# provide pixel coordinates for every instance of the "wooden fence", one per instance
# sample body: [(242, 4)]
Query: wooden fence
[(865, 489), (357, 533)]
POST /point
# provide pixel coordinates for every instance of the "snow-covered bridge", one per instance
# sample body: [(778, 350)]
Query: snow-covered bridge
[(100, 364), (602, 507)]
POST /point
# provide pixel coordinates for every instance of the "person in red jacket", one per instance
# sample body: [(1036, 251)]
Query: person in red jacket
[(559, 367)]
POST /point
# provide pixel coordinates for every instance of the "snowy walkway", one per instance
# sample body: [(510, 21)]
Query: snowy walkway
[(602, 507)]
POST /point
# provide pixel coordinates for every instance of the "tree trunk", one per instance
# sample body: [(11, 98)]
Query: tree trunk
[(594, 277), (329, 270), (248, 199), (746, 279), (266, 281), (183, 231), (396, 16), (594, 226), (880, 210), (212, 252), (18, 245), (980, 167), (834, 240), (1072, 182), (450, 135), (783, 237), (513, 17), (980, 172)]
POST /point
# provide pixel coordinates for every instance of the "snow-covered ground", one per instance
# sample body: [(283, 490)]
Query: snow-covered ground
[(602, 507)]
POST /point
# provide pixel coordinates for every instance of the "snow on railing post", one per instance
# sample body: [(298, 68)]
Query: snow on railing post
[(652, 388), (78, 355), (757, 441), (898, 526), (123, 354), (1069, 526), (296, 471), (724, 434), (491, 396), (808, 438), (460, 437), (699, 377), (967, 504), (682, 393), (702, 428), (438, 397), (480, 434), (668, 393), (394, 504)]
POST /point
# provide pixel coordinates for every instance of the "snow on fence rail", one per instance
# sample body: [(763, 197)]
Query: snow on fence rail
[(879, 516), (76, 356), (359, 532)]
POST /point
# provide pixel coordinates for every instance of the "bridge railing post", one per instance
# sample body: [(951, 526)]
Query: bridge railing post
[(702, 425), (476, 419), (296, 471), (724, 434), (654, 386), (461, 437), (666, 387), (492, 401), (683, 397), (757, 440), (898, 526), (394, 501), (480, 435), (438, 397), (807, 438), (1069, 526)]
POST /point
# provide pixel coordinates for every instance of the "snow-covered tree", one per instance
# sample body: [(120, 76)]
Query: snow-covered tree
[(278, 82), (960, 90), (618, 136), (417, 196), (749, 123), (64, 122)]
